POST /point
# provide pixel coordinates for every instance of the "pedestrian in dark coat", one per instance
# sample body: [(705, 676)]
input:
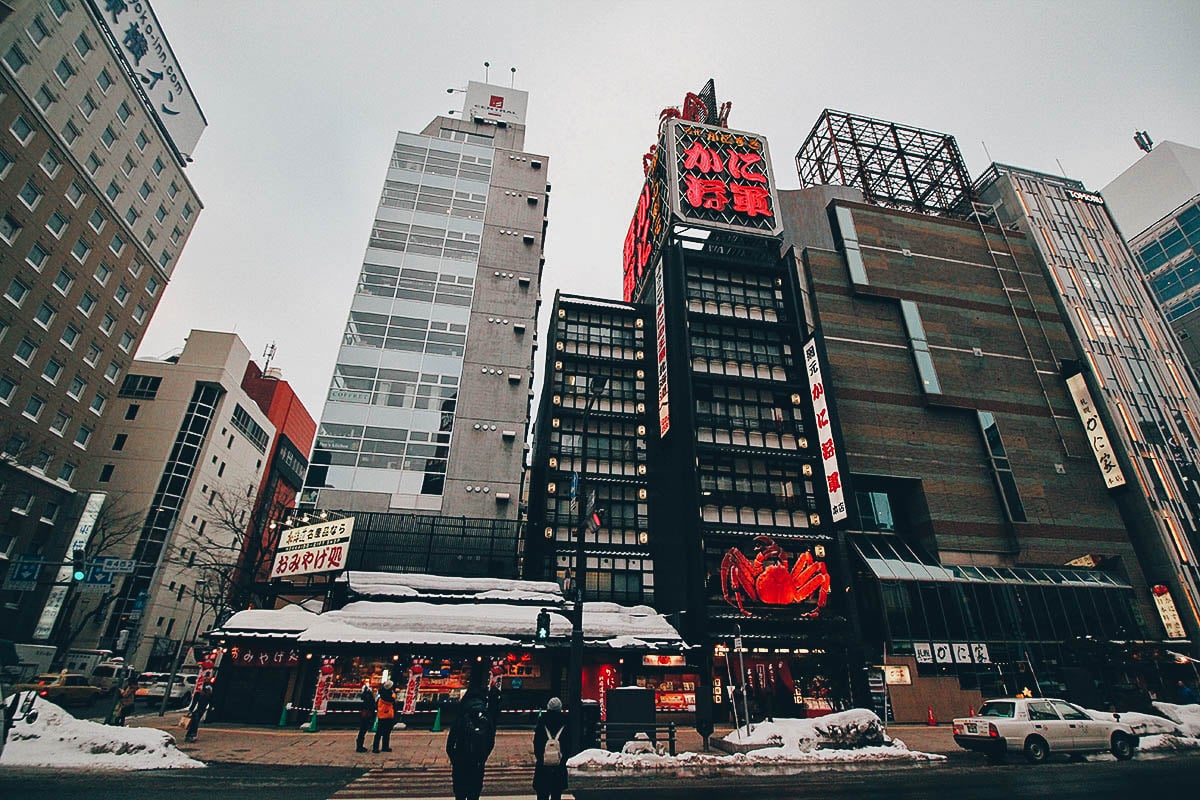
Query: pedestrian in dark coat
[(385, 709), (366, 715), (470, 742), (550, 777), (125, 700), (199, 705)]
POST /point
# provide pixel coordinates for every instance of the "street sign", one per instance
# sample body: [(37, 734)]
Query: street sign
[(574, 494), (118, 566), (23, 575), (97, 581)]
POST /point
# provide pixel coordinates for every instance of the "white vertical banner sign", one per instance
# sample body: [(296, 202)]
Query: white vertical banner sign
[(829, 459), (1097, 436), (62, 581), (660, 335)]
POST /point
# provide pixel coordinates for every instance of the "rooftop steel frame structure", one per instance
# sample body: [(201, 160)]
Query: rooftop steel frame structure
[(895, 166)]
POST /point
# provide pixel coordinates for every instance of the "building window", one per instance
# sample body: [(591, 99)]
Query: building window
[(16, 292), (131, 216), (98, 402), (128, 165), (112, 371), (92, 165), (74, 194), (141, 141), (6, 162), (123, 112), (83, 46), (152, 286), (76, 388), (21, 129), (108, 138), (63, 281), (104, 81), (144, 191), (117, 244), (1001, 467), (34, 406), (67, 472), (87, 106), (920, 347), (107, 470), (37, 257), (25, 351), (44, 98), (160, 214), (56, 224), (126, 343), (134, 408), (30, 194), (139, 313), (70, 336), (7, 388), (107, 323), (50, 163), (80, 250), (15, 59), (70, 133), (96, 220), (158, 167), (60, 423), (113, 191), (37, 31), (58, 8), (52, 371), (122, 294), (83, 436), (119, 441), (243, 422), (102, 274), (44, 315), (64, 71), (9, 228)]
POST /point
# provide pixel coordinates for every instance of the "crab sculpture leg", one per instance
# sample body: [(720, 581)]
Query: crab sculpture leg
[(809, 576), (738, 576)]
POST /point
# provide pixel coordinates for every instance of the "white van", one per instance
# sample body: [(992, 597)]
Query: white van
[(109, 676)]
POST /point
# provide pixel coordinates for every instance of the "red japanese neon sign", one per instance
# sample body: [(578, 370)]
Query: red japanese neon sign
[(721, 178)]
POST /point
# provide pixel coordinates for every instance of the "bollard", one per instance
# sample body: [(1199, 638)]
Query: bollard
[(437, 721), (930, 719), (312, 723), (375, 725), (283, 715)]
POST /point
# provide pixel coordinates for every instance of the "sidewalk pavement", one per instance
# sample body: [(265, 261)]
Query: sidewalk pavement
[(417, 748)]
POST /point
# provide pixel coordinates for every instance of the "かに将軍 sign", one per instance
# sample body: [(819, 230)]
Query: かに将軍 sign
[(720, 178)]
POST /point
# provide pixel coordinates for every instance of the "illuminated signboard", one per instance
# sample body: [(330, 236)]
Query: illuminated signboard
[(829, 459), (772, 579), (660, 333), (313, 548), (139, 39), (721, 178), (1097, 436), (497, 104), (1168, 613), (1086, 197), (646, 229)]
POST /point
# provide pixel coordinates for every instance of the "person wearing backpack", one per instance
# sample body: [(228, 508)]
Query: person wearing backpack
[(549, 750), (385, 709), (471, 739)]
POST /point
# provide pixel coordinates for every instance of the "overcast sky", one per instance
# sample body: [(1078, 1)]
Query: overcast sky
[(304, 99)]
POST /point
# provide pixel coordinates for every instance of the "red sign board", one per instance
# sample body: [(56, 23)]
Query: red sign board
[(772, 579), (721, 178)]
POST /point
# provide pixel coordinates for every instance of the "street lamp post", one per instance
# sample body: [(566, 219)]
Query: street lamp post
[(575, 670), (162, 709)]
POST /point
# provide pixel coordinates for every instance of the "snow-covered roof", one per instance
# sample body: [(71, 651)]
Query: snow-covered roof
[(413, 622), (422, 586)]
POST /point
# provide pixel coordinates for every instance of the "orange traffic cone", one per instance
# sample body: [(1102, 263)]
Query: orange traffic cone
[(930, 719), (970, 711)]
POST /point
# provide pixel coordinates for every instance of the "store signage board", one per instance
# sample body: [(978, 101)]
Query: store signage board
[(498, 104), (1097, 435), (829, 457), (313, 548), (79, 541), (660, 334), (1168, 613)]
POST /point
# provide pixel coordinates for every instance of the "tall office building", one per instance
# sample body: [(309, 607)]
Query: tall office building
[(1134, 369), (429, 402), (97, 123), (1156, 203)]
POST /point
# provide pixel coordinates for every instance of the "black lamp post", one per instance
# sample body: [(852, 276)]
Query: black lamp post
[(575, 668)]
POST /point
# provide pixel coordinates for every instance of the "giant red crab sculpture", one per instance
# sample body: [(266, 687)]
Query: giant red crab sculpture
[(767, 578)]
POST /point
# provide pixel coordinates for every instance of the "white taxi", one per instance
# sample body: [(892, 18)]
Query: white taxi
[(1039, 727)]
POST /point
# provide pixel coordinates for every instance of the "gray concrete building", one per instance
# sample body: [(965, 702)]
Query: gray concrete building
[(428, 406), (94, 212)]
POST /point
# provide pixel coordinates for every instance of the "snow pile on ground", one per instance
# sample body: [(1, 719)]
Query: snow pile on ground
[(1186, 717), (1177, 729), (57, 739), (836, 738)]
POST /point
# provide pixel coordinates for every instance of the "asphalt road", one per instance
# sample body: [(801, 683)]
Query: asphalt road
[(1172, 776)]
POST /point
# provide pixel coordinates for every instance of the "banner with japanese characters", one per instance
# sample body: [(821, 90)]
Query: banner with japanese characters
[(1097, 435), (829, 455), (719, 178), (313, 548)]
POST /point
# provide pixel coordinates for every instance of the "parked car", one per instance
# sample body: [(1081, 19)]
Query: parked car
[(109, 676), (181, 689), (63, 688), (1040, 727), (146, 681)]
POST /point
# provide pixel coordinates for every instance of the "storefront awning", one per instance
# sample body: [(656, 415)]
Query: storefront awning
[(419, 586), (890, 558)]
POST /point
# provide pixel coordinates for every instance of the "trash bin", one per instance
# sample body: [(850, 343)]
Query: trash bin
[(590, 733), (630, 709)]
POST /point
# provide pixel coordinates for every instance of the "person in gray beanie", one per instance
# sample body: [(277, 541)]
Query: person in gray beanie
[(549, 750)]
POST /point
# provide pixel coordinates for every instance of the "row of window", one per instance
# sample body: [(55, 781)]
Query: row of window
[(421, 285), (397, 388), (432, 159), (413, 334), (433, 199), (438, 242)]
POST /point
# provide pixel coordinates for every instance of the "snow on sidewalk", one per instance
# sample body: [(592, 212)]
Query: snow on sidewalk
[(57, 739)]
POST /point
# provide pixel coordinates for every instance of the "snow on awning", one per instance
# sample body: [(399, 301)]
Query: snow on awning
[(260, 622), (429, 587), (637, 627)]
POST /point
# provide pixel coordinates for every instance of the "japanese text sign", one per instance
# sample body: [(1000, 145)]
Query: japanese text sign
[(721, 178), (251, 657), (313, 548), (1094, 430), (152, 65), (829, 459), (1168, 613)]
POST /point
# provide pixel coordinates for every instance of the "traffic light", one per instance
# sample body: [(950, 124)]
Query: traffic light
[(543, 625), (595, 520), (78, 568)]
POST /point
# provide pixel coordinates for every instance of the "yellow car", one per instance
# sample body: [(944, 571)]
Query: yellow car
[(63, 688)]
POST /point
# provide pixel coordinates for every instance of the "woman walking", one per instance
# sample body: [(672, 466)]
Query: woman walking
[(550, 769), (385, 709)]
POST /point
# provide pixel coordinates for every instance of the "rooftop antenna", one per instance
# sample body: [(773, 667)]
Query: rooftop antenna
[(513, 83), (1143, 141), (988, 154), (1060, 167), (268, 354), (486, 65)]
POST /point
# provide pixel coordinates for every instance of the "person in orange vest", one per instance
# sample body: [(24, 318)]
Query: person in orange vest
[(385, 709)]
